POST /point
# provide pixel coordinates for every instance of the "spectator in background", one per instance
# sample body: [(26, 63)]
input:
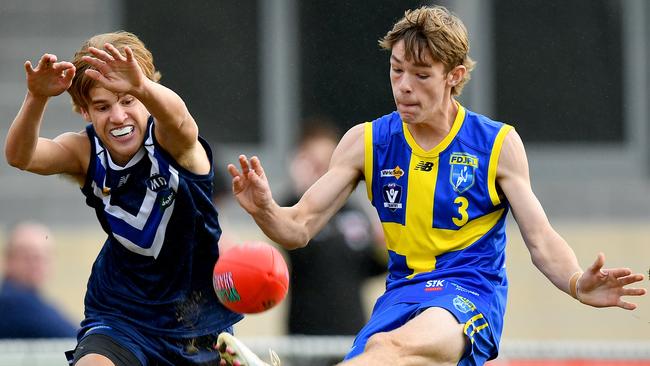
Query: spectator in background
[(327, 276), (27, 259)]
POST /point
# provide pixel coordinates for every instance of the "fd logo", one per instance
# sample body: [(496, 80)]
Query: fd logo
[(392, 196), (463, 167)]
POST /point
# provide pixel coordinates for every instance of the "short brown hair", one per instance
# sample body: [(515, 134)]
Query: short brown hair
[(318, 127), (435, 30), (81, 84)]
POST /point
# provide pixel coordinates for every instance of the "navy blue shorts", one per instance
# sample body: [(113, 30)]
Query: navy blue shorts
[(133, 347), (390, 313)]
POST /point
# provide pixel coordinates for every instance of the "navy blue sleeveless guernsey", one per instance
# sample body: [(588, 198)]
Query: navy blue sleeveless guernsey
[(442, 213), (155, 268)]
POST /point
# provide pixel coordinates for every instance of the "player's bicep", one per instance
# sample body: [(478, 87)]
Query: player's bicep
[(514, 180), (181, 141), (64, 154), (325, 198)]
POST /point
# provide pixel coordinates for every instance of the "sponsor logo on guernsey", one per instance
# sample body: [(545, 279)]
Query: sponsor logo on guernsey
[(463, 305), (463, 167), (392, 196), (157, 183), (396, 173), (434, 285), (463, 289), (167, 198), (424, 166)]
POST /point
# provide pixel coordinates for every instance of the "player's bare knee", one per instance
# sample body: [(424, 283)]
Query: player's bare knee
[(413, 352), (385, 341), (391, 343), (447, 351)]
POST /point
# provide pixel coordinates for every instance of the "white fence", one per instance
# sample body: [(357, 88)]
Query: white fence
[(307, 351)]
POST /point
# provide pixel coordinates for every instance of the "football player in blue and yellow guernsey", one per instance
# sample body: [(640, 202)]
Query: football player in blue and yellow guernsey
[(442, 179)]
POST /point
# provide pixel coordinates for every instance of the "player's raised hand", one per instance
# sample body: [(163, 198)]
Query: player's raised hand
[(250, 185), (117, 72), (604, 287), (49, 78)]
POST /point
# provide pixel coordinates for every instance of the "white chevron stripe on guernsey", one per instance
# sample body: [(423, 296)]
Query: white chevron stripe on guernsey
[(142, 219)]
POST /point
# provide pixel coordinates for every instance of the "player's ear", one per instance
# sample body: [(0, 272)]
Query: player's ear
[(85, 114), (456, 75)]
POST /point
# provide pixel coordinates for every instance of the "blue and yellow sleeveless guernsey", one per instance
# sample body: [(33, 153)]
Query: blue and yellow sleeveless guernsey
[(444, 219), (154, 271)]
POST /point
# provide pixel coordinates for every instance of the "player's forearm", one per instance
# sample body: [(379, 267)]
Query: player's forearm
[(23, 133), (283, 226), (555, 259), (169, 110)]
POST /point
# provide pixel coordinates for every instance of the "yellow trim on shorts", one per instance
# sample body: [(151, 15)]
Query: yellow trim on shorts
[(471, 321), (494, 164), (476, 329)]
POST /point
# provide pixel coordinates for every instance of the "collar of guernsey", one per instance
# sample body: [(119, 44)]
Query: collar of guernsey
[(456, 126)]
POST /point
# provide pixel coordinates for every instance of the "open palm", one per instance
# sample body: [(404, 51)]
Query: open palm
[(250, 186), (49, 78), (604, 287), (114, 71)]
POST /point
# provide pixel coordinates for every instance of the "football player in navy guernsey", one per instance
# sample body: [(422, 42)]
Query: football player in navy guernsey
[(142, 166), (442, 179)]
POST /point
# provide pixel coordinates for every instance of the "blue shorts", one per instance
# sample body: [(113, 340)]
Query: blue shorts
[(396, 307), (155, 350)]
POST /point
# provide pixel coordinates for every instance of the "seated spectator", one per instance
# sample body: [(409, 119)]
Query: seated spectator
[(27, 259)]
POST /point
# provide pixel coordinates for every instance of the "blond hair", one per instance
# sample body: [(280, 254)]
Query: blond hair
[(81, 84), (437, 31)]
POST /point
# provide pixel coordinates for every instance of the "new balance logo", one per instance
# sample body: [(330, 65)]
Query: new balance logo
[(123, 180), (424, 166)]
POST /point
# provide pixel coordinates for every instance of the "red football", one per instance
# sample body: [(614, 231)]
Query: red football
[(251, 277)]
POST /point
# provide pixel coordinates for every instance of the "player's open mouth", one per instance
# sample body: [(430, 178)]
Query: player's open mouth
[(119, 132)]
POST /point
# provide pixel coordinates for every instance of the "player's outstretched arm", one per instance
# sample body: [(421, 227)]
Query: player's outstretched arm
[(24, 149), (176, 129), (549, 251), (293, 227), (251, 189)]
